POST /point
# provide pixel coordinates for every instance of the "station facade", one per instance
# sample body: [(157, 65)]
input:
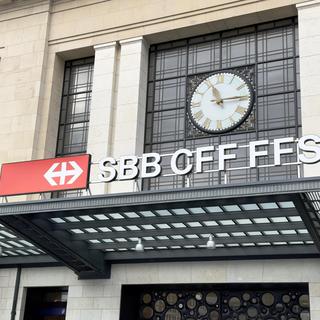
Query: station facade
[(200, 195)]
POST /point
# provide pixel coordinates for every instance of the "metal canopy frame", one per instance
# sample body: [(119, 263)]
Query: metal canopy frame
[(88, 234)]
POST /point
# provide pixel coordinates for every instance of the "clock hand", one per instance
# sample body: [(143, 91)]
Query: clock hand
[(231, 98), (216, 94), (236, 97)]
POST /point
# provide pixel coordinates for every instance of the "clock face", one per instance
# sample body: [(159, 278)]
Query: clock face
[(221, 102)]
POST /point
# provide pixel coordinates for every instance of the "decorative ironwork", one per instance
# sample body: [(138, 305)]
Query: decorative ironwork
[(217, 304), (267, 54)]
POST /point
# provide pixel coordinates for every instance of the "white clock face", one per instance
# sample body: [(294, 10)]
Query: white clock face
[(221, 102)]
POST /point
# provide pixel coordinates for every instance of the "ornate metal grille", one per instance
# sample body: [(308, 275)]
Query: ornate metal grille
[(218, 304), (267, 54)]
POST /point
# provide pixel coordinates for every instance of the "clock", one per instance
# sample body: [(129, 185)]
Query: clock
[(221, 102)]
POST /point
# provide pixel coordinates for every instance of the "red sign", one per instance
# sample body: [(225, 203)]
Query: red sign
[(67, 173)]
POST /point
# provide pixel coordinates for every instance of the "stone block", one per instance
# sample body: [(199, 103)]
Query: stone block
[(110, 314), (92, 291), (208, 272), (90, 314), (75, 291)]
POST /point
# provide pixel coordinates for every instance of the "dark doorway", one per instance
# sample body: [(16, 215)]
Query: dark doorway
[(49, 303)]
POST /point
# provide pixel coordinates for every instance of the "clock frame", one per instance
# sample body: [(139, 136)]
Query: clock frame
[(251, 99)]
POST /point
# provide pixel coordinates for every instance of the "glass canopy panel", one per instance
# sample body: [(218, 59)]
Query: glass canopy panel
[(237, 226)]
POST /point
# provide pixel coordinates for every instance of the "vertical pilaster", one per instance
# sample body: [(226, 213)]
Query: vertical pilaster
[(130, 112), (309, 47), (102, 105)]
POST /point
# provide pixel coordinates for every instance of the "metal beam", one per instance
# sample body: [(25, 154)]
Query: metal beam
[(29, 261), (125, 201), (30, 220), (259, 252), (202, 241), (309, 217), (272, 213), (75, 256), (190, 230)]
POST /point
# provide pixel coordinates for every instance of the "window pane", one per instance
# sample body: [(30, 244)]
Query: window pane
[(171, 63)]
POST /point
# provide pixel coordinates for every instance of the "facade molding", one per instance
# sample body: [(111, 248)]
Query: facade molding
[(22, 9), (163, 196), (129, 40), (146, 23), (105, 45), (308, 4)]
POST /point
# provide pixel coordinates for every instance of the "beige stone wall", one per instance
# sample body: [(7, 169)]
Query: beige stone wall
[(309, 46), (7, 283), (24, 41), (117, 20)]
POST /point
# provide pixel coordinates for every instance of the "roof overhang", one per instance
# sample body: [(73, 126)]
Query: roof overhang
[(88, 234)]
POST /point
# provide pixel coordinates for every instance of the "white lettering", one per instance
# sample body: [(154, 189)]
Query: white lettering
[(127, 168), (314, 149), (124, 167), (108, 173), (200, 159), (175, 158), (147, 164), (278, 151), (223, 156), (255, 153)]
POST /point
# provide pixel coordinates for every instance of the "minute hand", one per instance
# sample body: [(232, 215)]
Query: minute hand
[(236, 97)]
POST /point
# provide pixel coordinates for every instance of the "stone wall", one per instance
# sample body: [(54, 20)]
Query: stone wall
[(100, 299)]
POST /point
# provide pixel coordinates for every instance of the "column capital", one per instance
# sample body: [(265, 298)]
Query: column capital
[(309, 3), (105, 45), (130, 40)]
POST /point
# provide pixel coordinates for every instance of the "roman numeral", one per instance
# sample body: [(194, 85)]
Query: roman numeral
[(231, 120), (198, 115), (241, 110), (220, 78), (195, 104), (241, 86), (207, 123), (219, 124), (201, 94), (232, 79), (208, 83)]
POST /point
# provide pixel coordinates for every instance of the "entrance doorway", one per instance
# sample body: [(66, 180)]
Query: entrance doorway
[(46, 303)]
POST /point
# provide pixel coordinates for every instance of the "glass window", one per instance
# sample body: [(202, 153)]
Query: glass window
[(75, 112), (75, 107), (268, 55)]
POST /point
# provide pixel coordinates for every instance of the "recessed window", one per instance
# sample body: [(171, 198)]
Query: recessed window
[(268, 56), (46, 303), (75, 107)]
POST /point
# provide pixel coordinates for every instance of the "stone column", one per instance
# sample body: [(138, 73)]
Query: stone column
[(101, 112), (309, 46), (128, 138)]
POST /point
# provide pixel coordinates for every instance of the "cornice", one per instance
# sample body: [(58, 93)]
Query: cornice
[(309, 3), (21, 8), (150, 22)]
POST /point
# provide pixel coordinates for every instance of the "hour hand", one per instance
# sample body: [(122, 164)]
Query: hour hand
[(217, 95)]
